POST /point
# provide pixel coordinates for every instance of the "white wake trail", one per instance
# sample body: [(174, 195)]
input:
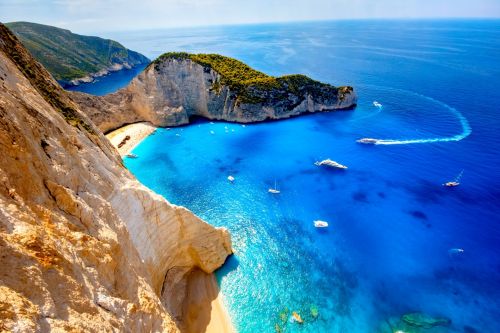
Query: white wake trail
[(466, 129)]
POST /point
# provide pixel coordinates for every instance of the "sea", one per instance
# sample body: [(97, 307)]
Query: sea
[(398, 242)]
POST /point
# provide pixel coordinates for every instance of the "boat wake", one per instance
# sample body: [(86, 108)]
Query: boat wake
[(466, 129)]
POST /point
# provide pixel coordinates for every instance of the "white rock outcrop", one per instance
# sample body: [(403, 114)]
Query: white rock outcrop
[(170, 91)]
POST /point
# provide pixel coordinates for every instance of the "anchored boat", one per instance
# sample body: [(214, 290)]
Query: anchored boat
[(320, 224), (274, 190), (455, 182), (330, 163)]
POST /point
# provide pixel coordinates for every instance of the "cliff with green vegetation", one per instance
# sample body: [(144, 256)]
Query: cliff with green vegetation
[(72, 58), (177, 86)]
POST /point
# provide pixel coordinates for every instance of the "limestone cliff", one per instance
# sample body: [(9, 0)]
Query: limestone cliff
[(84, 247), (177, 86)]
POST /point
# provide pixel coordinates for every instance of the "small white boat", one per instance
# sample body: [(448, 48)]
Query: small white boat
[(211, 123), (274, 190), (212, 132), (455, 182), (367, 141), (230, 178), (330, 163), (177, 134), (320, 224), (243, 125), (377, 104), (455, 251), (132, 155)]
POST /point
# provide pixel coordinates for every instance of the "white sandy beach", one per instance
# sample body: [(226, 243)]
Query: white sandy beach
[(205, 310), (137, 132)]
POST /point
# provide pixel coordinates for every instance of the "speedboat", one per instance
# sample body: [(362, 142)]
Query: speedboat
[(367, 141), (377, 104), (230, 178), (330, 163), (320, 224), (212, 132), (455, 251), (132, 155)]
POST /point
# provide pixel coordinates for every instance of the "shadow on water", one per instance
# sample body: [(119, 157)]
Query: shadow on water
[(231, 264)]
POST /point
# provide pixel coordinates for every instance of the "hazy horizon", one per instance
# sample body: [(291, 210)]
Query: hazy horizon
[(93, 16)]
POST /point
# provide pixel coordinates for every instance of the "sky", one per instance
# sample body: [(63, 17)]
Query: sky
[(85, 16)]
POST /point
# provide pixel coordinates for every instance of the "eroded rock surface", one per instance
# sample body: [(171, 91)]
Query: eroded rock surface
[(173, 89), (83, 245)]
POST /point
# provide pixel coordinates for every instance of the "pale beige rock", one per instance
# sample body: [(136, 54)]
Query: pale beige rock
[(169, 93), (84, 247)]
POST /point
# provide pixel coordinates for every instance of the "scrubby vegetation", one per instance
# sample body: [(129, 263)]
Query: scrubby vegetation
[(250, 85), (69, 56)]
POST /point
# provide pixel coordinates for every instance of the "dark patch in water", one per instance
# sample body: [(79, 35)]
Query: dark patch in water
[(360, 197), (381, 195), (469, 329), (418, 214)]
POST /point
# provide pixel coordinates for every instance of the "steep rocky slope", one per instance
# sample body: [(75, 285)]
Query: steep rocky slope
[(177, 86), (72, 58), (84, 247)]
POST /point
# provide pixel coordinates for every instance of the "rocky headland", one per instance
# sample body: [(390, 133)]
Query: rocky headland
[(178, 86), (84, 246), (71, 58)]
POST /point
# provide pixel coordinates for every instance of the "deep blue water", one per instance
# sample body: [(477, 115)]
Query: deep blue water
[(392, 223), (109, 83)]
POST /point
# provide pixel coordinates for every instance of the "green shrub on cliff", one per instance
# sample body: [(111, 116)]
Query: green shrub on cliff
[(250, 85)]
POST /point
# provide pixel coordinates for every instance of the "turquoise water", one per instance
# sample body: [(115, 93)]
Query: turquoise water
[(392, 223)]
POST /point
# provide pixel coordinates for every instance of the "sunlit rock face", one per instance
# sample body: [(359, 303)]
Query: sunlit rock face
[(83, 245), (171, 90)]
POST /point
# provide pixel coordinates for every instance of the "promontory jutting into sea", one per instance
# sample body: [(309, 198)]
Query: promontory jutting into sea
[(312, 176)]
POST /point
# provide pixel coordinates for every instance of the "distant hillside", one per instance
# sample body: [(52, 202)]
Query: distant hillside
[(72, 58)]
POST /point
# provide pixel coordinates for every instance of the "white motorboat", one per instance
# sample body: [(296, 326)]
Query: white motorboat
[(328, 162), (320, 224), (230, 178), (367, 141), (377, 104)]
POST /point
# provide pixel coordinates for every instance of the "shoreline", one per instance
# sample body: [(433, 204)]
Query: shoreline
[(137, 132), (204, 309)]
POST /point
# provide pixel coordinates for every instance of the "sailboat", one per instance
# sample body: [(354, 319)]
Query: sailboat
[(274, 190), (455, 182)]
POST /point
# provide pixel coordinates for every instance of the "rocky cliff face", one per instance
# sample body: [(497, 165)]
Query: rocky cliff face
[(73, 59), (83, 245), (174, 88)]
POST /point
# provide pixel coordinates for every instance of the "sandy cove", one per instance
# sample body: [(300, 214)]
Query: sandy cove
[(137, 132), (204, 310)]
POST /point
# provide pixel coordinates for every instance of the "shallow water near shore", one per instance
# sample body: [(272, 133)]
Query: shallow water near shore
[(392, 223)]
